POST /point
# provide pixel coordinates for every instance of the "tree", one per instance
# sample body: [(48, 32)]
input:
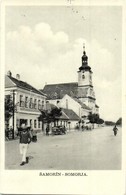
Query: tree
[(50, 115), (93, 118), (119, 121), (109, 123), (100, 121), (9, 107)]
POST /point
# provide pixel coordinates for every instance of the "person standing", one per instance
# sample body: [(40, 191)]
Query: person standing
[(115, 130), (47, 130), (24, 141)]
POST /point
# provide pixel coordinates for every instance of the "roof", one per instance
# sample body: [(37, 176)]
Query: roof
[(96, 106), (63, 117), (67, 114), (11, 82), (57, 91), (82, 104), (70, 114)]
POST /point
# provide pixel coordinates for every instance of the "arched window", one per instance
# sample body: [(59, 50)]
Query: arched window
[(83, 77)]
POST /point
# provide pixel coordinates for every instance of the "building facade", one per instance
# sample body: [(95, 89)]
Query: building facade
[(27, 102)]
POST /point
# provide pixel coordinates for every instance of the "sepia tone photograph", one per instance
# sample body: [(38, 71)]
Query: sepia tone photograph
[(63, 87)]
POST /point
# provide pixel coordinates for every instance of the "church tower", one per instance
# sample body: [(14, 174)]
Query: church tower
[(85, 86)]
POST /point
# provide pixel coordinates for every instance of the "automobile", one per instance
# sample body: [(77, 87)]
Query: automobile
[(58, 130), (88, 126)]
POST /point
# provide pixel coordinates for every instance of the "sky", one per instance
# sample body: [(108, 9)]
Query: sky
[(44, 44)]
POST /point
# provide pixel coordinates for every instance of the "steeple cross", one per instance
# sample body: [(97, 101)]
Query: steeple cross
[(83, 46)]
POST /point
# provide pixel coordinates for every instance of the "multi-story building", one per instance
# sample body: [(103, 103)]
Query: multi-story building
[(28, 101)]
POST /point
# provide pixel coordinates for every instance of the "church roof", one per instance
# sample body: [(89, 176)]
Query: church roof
[(12, 82), (82, 104), (57, 91)]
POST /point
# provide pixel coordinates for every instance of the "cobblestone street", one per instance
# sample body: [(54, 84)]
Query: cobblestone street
[(98, 149)]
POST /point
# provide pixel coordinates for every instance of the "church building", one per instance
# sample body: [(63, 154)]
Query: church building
[(78, 96)]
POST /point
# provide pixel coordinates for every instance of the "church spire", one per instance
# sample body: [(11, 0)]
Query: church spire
[(84, 57), (84, 48)]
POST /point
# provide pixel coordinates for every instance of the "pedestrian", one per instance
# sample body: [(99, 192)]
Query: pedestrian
[(34, 136), (82, 127), (115, 130), (47, 130), (24, 141)]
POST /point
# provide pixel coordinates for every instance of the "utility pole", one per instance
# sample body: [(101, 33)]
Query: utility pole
[(13, 111)]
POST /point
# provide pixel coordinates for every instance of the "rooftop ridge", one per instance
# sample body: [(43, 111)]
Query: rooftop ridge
[(28, 86), (62, 83)]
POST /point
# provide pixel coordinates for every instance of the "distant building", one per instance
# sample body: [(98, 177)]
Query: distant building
[(78, 96), (72, 117), (68, 117), (27, 100)]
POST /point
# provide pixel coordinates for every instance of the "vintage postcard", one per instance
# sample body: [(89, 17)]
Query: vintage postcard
[(62, 97)]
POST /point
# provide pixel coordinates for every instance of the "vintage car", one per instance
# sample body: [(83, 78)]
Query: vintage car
[(88, 126), (58, 130)]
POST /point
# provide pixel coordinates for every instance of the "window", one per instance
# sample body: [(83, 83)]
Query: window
[(83, 77), (30, 104), (26, 102), (39, 124), (35, 124), (30, 122), (58, 103), (39, 105), (35, 103), (42, 104), (21, 101), (67, 103)]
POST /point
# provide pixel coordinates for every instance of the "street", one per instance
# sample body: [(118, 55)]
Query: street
[(98, 149)]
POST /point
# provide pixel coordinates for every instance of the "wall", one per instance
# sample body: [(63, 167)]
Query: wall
[(30, 114), (86, 79)]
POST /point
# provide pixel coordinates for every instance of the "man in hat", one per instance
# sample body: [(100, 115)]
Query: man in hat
[(25, 139)]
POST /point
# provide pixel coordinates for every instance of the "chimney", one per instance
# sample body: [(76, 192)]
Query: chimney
[(17, 76), (9, 73)]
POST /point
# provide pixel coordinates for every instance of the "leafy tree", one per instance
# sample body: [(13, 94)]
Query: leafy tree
[(93, 118), (109, 123), (100, 121), (50, 115), (119, 121), (9, 107)]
